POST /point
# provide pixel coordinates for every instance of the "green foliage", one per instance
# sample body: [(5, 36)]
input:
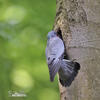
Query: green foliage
[(24, 25)]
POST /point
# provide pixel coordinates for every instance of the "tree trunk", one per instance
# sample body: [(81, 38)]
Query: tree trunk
[(79, 22)]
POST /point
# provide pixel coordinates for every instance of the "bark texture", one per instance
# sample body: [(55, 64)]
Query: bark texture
[(79, 22)]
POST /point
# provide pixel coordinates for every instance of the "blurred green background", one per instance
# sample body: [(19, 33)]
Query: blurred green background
[(24, 25)]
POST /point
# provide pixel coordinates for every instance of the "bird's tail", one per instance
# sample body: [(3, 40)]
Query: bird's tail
[(69, 72)]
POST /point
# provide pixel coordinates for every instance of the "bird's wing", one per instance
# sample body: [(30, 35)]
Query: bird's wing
[(53, 69), (54, 50)]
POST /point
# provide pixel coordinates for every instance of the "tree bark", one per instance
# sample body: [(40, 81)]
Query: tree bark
[(79, 22)]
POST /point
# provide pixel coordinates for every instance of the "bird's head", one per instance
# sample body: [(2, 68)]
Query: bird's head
[(51, 34)]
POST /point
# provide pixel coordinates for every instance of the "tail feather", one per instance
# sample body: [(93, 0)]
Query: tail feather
[(68, 82), (69, 72)]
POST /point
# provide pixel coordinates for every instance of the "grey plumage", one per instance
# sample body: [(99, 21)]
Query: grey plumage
[(66, 69)]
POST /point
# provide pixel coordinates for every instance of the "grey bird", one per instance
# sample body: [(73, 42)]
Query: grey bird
[(55, 51)]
